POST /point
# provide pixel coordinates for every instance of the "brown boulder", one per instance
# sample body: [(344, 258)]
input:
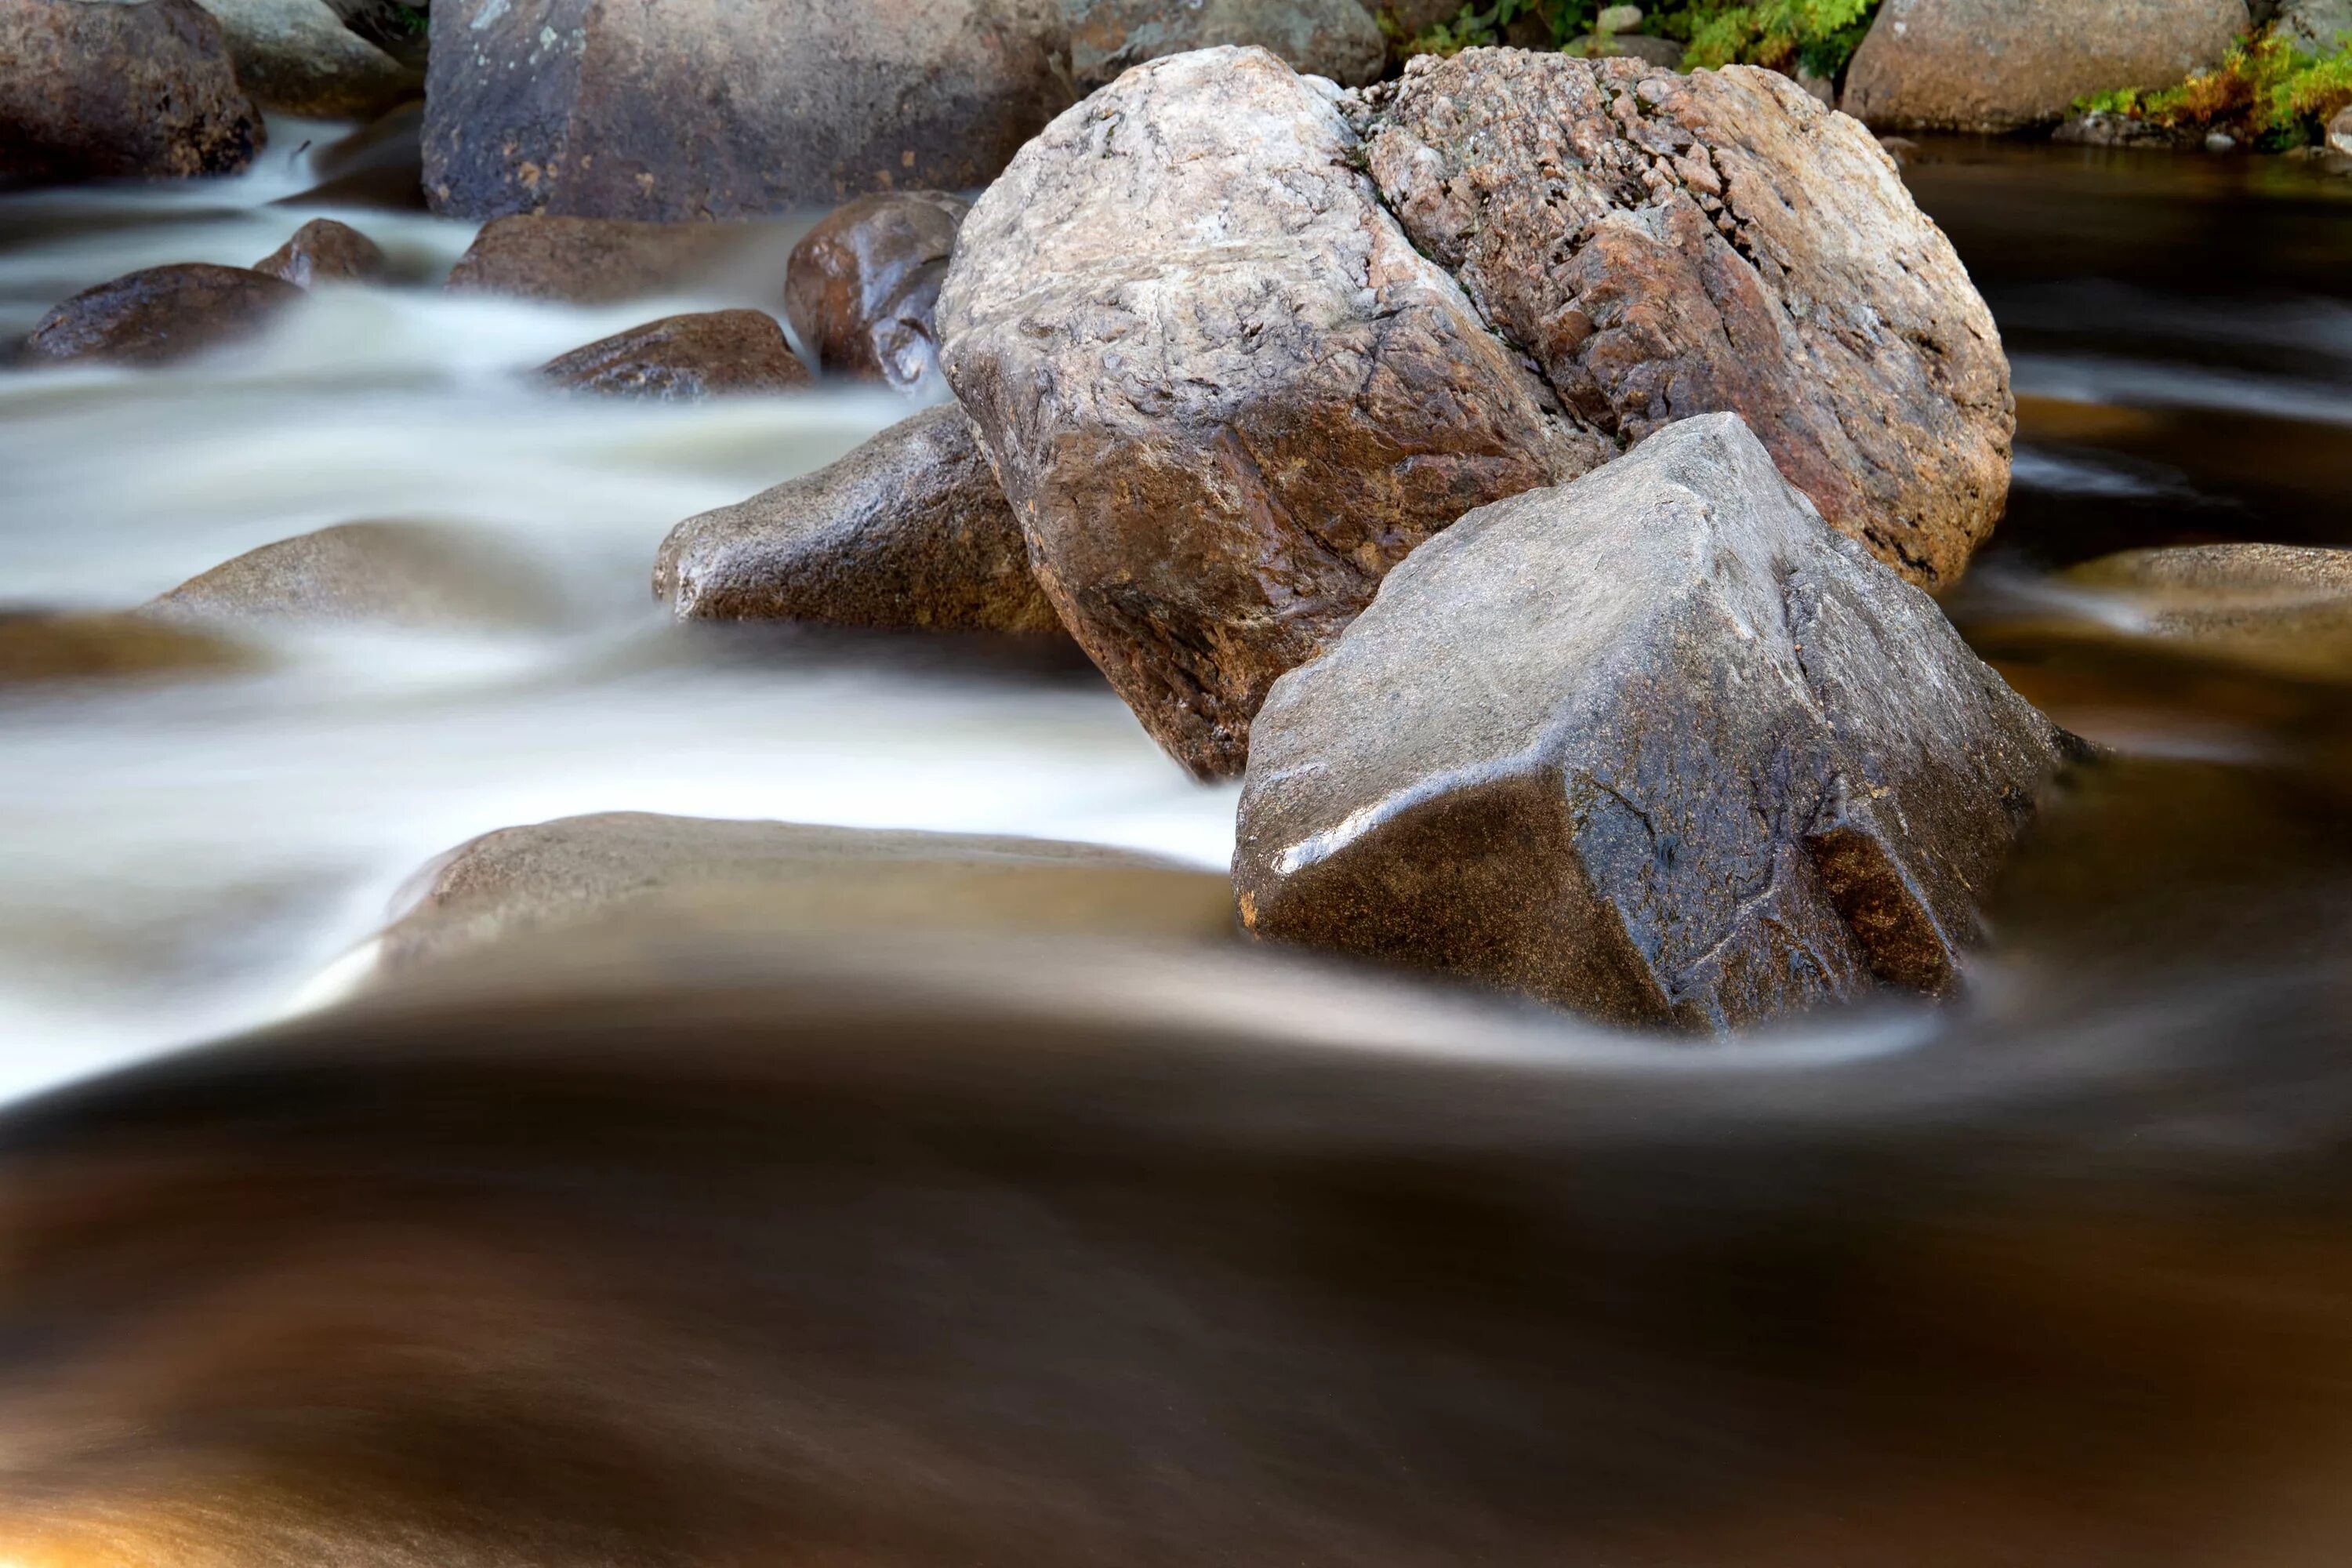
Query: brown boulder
[(366, 573), (114, 91), (910, 531), (1666, 246), (696, 109), (863, 287), (1224, 392), (324, 251), (597, 261), (162, 314), (38, 646), (1334, 38), (706, 353), (1998, 65)]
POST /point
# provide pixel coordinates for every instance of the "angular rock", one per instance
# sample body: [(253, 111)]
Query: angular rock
[(366, 573), (101, 92), (1665, 247), (696, 109), (1657, 745), (38, 646), (324, 251), (706, 353), (1222, 391), (1334, 38), (2001, 65), (909, 532), (863, 287), (595, 261), (295, 57), (161, 314), (2285, 606)]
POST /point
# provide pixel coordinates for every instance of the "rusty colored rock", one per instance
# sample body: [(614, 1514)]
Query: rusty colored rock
[(324, 251), (1224, 392), (596, 261), (1656, 745), (1670, 245), (863, 287), (706, 353), (909, 532), (162, 314), (100, 93), (1334, 38)]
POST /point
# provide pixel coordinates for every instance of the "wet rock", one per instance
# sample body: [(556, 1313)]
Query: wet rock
[(2101, 128), (1999, 65), (1666, 246), (380, 165), (324, 251), (117, 91), (1224, 392), (396, 27), (367, 574), (864, 285), (909, 532), (2284, 607), (595, 261), (162, 314), (696, 109), (38, 646), (796, 882), (1334, 38), (708, 353), (295, 57), (1656, 745)]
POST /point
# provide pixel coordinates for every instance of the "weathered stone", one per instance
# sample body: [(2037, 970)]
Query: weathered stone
[(1334, 38), (1656, 745), (1666, 246), (1222, 391), (2284, 607), (1999, 65), (910, 531), (863, 287), (98, 92), (364, 573), (596, 261), (695, 109), (706, 353), (324, 251), (295, 57), (161, 314)]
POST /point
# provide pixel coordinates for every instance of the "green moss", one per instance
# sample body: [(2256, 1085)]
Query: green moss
[(1815, 35), (1474, 27), (2266, 93)]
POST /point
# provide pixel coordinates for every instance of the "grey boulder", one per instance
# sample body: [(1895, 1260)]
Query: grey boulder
[(1334, 38)]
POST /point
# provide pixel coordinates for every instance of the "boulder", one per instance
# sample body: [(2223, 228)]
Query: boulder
[(161, 314), (366, 573), (2000, 65), (295, 57), (863, 287), (2315, 26), (1665, 247), (1334, 38), (909, 532), (2284, 607), (1224, 392), (596, 261), (695, 109), (792, 880), (99, 92), (1657, 745), (398, 28), (324, 251), (708, 353), (38, 646)]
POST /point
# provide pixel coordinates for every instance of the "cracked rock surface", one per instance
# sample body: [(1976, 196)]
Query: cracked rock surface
[(1656, 745)]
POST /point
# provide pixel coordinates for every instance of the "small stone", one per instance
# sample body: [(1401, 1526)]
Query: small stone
[(324, 251), (706, 353), (367, 574), (1617, 19), (163, 314), (863, 287), (2220, 142), (2339, 132)]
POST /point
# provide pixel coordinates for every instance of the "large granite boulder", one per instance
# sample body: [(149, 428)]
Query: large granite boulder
[(97, 92), (1334, 38), (863, 287), (162, 314), (1223, 390), (909, 532), (695, 109), (1670, 245), (1657, 745), (684, 359), (295, 57), (1999, 65)]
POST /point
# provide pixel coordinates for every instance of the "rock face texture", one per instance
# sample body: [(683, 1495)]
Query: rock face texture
[(324, 251), (1334, 38), (696, 109), (298, 57), (1999, 65), (1224, 392), (161, 314), (863, 287), (99, 92), (1665, 247), (380, 574), (909, 532), (593, 261), (1656, 745), (706, 353)]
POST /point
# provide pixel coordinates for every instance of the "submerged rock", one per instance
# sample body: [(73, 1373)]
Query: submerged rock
[(38, 646), (2285, 606), (380, 165), (324, 251), (910, 532), (364, 573), (863, 287), (295, 57), (697, 109), (119, 91), (706, 353), (1657, 745), (2000, 65), (1334, 38), (596, 261), (1663, 53), (162, 314), (1224, 392)]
